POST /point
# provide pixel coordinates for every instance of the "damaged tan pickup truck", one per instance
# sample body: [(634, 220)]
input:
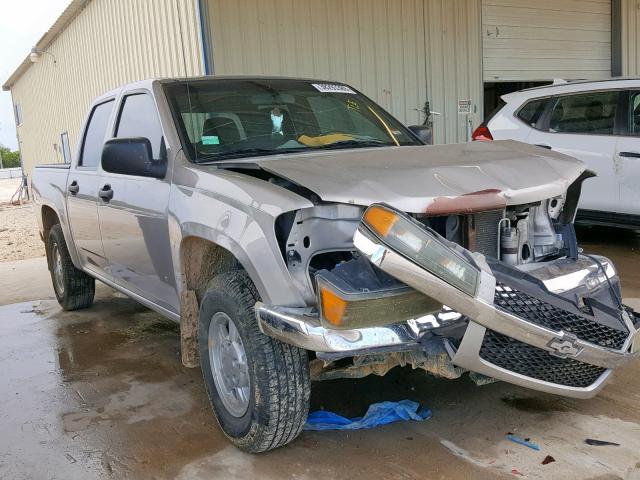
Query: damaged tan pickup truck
[(299, 232)]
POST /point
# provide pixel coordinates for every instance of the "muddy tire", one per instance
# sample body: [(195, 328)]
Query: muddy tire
[(74, 289), (258, 387)]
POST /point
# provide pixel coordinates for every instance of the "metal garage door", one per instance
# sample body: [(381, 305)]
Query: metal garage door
[(398, 52), (526, 40)]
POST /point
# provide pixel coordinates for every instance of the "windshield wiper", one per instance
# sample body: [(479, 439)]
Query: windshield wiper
[(262, 152), (248, 152), (354, 143)]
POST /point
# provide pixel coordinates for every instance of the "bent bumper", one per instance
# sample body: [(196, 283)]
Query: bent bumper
[(301, 327), (555, 357), (497, 343)]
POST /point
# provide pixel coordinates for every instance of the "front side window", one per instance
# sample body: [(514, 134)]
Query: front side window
[(531, 111), (222, 119), (139, 118), (634, 114), (589, 113), (94, 134)]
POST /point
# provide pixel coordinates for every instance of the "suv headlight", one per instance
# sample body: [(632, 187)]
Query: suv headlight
[(423, 247)]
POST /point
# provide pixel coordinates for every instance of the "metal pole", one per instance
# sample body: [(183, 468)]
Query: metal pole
[(1, 167)]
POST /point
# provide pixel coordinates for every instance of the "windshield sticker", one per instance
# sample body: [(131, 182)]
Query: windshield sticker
[(276, 121), (210, 140), (353, 105), (332, 88)]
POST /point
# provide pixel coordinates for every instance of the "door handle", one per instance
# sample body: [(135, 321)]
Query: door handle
[(106, 193), (630, 154), (73, 188), (548, 147)]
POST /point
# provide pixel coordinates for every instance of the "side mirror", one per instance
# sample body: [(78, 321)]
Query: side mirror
[(423, 132), (132, 156)]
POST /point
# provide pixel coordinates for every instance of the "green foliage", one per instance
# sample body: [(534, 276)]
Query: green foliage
[(9, 159)]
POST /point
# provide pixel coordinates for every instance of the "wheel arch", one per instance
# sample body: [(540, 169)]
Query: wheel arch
[(49, 217), (203, 252)]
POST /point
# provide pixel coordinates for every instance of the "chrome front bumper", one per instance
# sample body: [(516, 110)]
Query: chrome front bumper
[(302, 328), (485, 316)]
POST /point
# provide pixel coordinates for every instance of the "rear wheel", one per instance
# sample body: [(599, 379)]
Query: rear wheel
[(74, 289), (258, 387)]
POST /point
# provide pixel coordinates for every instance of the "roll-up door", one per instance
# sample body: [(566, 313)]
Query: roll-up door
[(540, 40)]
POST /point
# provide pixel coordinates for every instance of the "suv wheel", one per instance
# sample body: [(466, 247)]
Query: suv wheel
[(258, 387)]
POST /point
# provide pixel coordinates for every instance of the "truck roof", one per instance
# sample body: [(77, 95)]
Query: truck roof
[(147, 83)]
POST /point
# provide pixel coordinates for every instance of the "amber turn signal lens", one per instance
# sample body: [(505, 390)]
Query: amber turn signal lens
[(380, 220), (333, 307)]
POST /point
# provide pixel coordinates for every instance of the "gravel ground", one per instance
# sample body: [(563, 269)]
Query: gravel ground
[(8, 187), (19, 238)]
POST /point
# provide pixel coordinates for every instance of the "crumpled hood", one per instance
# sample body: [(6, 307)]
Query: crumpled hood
[(437, 179)]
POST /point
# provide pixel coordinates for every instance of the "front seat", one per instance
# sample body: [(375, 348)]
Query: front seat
[(225, 128)]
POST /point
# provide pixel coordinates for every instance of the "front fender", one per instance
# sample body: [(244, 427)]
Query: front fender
[(244, 230)]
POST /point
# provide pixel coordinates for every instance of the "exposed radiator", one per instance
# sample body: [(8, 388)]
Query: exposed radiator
[(481, 232)]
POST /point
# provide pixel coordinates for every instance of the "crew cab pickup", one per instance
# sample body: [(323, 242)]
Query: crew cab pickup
[(299, 232)]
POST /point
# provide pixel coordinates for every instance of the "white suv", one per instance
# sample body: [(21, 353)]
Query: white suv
[(597, 122)]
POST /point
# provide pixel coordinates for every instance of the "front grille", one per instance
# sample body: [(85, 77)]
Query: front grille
[(530, 361), (546, 315)]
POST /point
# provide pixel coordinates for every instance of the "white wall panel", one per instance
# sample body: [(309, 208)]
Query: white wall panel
[(630, 37), (108, 43), (398, 52)]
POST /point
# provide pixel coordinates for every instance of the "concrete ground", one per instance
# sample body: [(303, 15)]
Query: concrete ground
[(101, 393)]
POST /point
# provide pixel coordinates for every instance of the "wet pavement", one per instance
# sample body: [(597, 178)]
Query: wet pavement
[(101, 393)]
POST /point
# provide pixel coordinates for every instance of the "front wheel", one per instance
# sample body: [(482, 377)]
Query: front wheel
[(74, 289), (258, 387)]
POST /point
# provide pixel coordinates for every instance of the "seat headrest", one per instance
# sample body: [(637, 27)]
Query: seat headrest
[(212, 124), (222, 127)]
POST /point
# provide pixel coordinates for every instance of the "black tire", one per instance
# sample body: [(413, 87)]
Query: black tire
[(74, 289), (279, 385)]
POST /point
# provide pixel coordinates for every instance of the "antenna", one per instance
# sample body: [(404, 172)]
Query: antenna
[(184, 56)]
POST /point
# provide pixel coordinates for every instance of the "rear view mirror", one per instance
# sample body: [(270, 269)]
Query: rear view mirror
[(423, 132), (132, 156)]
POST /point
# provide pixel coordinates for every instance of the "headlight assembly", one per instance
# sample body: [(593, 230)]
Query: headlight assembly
[(425, 248)]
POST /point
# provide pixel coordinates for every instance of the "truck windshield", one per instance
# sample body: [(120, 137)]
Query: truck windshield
[(223, 119)]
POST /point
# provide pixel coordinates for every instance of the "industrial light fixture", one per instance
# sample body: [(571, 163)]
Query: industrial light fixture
[(35, 54)]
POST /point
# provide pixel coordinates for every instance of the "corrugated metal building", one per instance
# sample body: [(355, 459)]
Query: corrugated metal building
[(456, 54)]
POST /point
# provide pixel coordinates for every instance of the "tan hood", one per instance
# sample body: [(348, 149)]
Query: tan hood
[(433, 179)]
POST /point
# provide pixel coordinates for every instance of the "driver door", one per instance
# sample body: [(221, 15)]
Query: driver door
[(133, 213)]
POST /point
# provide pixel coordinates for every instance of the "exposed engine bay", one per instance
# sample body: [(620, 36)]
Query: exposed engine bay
[(321, 238)]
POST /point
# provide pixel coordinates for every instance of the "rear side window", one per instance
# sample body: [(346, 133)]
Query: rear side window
[(494, 112), (531, 111), (94, 134), (139, 118), (591, 113), (634, 114)]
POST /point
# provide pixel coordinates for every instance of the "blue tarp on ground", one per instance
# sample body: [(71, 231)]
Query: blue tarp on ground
[(377, 414)]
